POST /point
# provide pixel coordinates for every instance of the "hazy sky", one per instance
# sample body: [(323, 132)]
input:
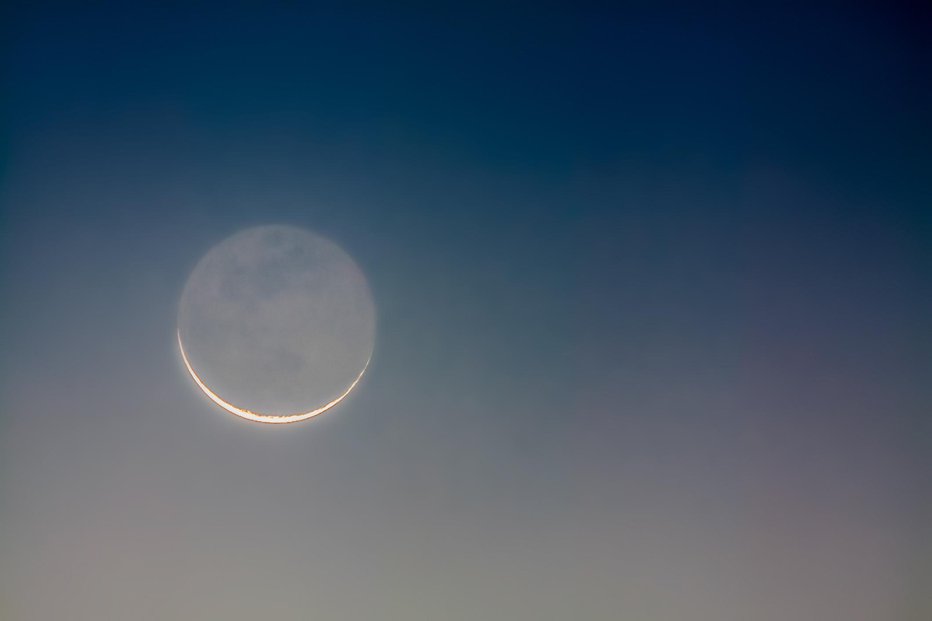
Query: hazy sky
[(653, 302)]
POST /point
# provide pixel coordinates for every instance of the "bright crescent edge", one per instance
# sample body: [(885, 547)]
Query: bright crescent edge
[(264, 418)]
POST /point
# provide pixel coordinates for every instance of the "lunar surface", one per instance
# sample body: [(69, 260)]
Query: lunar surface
[(276, 324)]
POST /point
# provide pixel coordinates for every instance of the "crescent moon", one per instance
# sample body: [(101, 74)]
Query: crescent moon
[(264, 418)]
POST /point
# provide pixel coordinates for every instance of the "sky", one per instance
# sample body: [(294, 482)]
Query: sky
[(653, 306)]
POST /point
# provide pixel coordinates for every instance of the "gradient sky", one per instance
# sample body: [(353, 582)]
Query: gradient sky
[(654, 313)]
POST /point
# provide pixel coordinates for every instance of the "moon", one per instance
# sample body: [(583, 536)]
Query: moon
[(276, 324)]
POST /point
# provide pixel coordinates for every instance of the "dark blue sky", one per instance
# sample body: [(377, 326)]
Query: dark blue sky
[(837, 94), (653, 303)]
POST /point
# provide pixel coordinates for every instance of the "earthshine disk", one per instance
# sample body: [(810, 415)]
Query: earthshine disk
[(276, 324)]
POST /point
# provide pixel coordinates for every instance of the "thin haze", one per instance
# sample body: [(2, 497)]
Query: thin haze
[(652, 295)]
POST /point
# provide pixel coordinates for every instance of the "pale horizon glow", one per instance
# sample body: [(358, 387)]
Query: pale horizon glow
[(264, 418)]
